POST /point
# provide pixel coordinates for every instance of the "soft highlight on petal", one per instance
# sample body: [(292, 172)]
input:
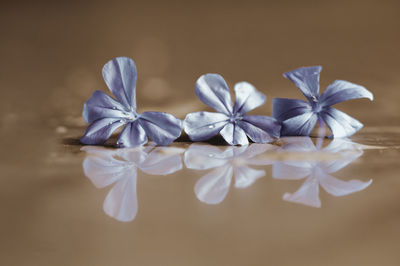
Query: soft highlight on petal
[(283, 108), (101, 130), (261, 129), (247, 98), (300, 125), (234, 135), (341, 124), (120, 76), (340, 91), (132, 135), (162, 128), (100, 105), (306, 79), (204, 125), (212, 90)]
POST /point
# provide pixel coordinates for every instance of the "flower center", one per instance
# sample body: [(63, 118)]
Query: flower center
[(235, 117)]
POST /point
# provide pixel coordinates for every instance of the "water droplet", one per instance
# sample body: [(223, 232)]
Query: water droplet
[(114, 107), (314, 99), (211, 155), (211, 126)]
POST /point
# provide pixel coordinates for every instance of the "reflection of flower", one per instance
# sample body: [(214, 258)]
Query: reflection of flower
[(214, 186), (107, 166), (299, 117), (318, 171), (105, 114), (231, 122)]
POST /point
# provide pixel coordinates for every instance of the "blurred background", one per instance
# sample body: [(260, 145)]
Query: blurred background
[(52, 52)]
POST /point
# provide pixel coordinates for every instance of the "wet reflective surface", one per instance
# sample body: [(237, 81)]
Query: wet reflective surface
[(201, 203)]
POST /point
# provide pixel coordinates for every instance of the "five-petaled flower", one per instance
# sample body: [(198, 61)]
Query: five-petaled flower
[(106, 114), (231, 121), (299, 117)]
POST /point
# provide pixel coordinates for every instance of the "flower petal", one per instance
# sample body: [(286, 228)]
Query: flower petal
[(132, 135), (161, 162), (246, 176), (234, 135), (247, 98), (341, 124), (213, 91), (121, 202), (204, 125), (100, 105), (262, 129), (339, 188), (300, 125), (201, 157), (162, 128), (284, 109), (101, 130), (341, 90), (307, 194), (214, 186), (306, 79), (120, 76)]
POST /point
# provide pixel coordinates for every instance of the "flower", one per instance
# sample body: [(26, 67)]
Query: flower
[(299, 117), (231, 121), (119, 167), (106, 114), (316, 166), (233, 161)]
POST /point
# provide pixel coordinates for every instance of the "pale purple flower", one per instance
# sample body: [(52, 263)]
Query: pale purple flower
[(315, 165), (299, 117), (231, 162), (231, 120), (105, 114), (105, 167)]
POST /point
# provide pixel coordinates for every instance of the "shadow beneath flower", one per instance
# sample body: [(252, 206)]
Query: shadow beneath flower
[(317, 168), (120, 167), (227, 163)]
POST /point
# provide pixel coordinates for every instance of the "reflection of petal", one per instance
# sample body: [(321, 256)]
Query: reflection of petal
[(341, 124), (160, 162), (298, 144), (245, 176), (100, 105), (284, 170), (214, 186), (259, 128), (306, 79), (247, 98), (132, 135), (234, 135), (204, 125), (307, 194), (103, 171), (338, 187), (121, 202), (287, 108), (213, 91), (300, 125), (201, 157), (100, 130), (251, 152), (162, 128), (120, 76), (341, 90)]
